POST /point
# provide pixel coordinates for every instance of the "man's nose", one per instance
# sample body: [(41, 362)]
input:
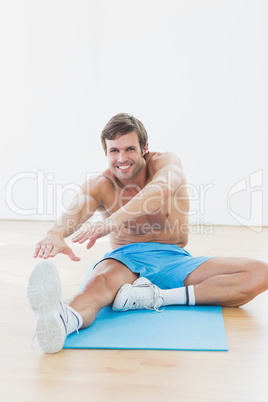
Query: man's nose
[(122, 157)]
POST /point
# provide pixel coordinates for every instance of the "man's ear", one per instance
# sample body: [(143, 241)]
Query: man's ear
[(145, 149)]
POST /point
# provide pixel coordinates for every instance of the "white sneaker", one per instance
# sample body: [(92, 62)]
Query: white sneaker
[(142, 294), (44, 294)]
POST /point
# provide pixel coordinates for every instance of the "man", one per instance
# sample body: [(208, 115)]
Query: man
[(143, 200)]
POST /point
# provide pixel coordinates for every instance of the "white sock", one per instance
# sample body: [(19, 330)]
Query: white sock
[(180, 296), (74, 320)]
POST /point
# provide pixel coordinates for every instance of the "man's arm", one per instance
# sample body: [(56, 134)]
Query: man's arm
[(80, 210), (168, 176)]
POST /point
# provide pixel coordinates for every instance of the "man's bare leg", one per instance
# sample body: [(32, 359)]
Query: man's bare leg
[(228, 281), (101, 289), (218, 281), (54, 320)]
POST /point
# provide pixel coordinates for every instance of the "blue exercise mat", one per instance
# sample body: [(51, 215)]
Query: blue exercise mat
[(175, 328)]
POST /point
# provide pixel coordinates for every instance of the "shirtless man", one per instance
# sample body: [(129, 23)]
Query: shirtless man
[(143, 201)]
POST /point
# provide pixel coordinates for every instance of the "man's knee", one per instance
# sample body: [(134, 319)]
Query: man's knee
[(96, 283), (256, 278), (106, 280), (97, 292), (97, 286)]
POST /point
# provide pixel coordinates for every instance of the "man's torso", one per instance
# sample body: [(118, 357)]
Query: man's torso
[(168, 224)]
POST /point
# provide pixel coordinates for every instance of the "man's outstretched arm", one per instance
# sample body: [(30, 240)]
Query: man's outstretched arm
[(81, 209)]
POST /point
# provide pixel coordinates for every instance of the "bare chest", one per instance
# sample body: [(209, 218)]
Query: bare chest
[(154, 221)]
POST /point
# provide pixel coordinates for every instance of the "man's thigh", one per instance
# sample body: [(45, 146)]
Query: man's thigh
[(218, 266)]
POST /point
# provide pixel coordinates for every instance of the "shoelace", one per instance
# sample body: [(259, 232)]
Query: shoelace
[(156, 308), (144, 296)]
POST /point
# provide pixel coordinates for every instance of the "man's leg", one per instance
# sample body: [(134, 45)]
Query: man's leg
[(228, 281), (218, 281), (54, 319), (101, 289)]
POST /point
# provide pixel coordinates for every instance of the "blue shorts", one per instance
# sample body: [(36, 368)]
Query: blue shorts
[(165, 265)]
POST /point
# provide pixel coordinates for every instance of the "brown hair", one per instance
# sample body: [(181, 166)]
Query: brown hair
[(123, 123)]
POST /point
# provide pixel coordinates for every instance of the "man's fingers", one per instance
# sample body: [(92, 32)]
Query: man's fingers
[(91, 243), (51, 246), (47, 251), (76, 238), (53, 252), (71, 254), (41, 251), (36, 251), (81, 237), (73, 257)]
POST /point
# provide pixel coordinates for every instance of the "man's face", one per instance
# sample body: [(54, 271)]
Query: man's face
[(125, 156)]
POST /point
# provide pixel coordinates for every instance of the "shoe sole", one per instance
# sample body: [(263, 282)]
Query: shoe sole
[(44, 294)]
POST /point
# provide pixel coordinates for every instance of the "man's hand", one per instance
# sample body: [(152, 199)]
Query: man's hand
[(93, 232), (52, 245)]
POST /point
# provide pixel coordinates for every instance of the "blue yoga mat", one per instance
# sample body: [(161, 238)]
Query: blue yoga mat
[(175, 328)]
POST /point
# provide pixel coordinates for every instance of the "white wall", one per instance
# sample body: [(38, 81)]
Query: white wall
[(194, 71)]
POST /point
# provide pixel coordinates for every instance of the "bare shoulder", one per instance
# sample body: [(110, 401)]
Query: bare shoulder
[(160, 160), (98, 185)]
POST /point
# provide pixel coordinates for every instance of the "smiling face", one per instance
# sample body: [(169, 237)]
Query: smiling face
[(125, 156)]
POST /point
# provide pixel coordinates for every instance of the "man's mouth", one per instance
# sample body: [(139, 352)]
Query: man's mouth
[(124, 167)]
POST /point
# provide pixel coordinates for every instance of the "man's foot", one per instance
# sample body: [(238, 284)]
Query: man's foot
[(44, 294), (142, 294)]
